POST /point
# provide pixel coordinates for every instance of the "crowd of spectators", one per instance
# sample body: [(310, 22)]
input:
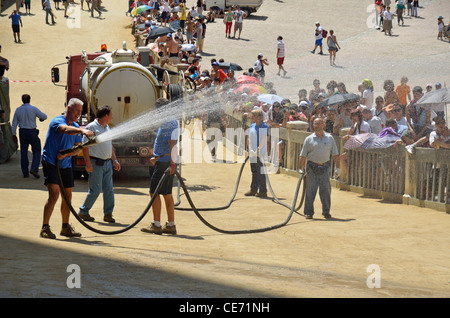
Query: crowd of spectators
[(365, 113)]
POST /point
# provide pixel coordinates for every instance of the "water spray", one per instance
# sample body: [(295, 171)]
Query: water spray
[(156, 118)]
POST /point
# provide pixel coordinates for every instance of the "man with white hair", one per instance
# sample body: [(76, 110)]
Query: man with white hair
[(63, 133)]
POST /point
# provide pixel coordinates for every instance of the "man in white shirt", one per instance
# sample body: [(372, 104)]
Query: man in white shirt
[(280, 55), (239, 17), (100, 161), (319, 38)]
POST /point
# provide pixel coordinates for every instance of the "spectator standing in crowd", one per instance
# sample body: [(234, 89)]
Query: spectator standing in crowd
[(333, 47), (314, 93), (280, 55), (183, 15), (318, 33), (379, 110), (414, 8), (257, 145), (25, 118), (100, 161), (94, 6), (48, 11), (165, 153), (400, 6), (239, 17), (374, 122), (315, 160), (387, 22), (403, 92), (441, 26), (16, 23), (228, 20), (390, 96), (200, 6), (396, 112), (367, 95), (63, 133)]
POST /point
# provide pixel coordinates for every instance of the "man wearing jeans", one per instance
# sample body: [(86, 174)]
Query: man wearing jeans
[(25, 118), (100, 161), (317, 150), (48, 11)]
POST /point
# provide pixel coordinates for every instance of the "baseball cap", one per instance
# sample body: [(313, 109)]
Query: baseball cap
[(303, 103), (214, 63), (169, 35)]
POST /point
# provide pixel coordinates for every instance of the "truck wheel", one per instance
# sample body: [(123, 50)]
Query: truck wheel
[(174, 92)]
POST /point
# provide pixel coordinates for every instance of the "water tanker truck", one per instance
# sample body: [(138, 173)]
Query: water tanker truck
[(130, 87)]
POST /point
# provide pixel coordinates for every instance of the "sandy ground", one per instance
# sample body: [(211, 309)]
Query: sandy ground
[(306, 258)]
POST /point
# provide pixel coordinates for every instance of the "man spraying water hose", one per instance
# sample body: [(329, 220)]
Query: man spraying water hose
[(63, 133)]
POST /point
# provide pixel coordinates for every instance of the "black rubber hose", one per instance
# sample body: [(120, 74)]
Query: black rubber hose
[(191, 203), (69, 204), (196, 211), (226, 206)]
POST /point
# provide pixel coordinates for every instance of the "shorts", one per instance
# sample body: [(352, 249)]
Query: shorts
[(16, 28), (189, 35), (319, 42), (280, 60), (238, 26), (51, 175), (158, 174)]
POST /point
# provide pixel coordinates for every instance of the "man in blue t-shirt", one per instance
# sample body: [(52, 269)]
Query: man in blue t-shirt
[(16, 24), (164, 150), (257, 148), (63, 133)]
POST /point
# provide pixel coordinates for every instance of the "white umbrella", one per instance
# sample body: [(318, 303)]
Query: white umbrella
[(435, 100), (269, 98)]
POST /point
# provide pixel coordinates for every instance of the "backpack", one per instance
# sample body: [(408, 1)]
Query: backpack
[(324, 33)]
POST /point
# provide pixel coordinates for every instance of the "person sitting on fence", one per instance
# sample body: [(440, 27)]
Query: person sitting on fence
[(418, 119)]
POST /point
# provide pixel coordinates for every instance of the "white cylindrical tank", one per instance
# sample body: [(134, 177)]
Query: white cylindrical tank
[(118, 80)]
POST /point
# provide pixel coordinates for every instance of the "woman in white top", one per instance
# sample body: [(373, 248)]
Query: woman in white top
[(387, 22)]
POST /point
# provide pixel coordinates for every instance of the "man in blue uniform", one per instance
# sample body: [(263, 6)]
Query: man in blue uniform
[(63, 133), (164, 151)]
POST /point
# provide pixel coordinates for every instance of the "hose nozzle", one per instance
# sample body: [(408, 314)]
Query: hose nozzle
[(91, 141)]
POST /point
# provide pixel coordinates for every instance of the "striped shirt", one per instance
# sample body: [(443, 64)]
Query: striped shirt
[(280, 47)]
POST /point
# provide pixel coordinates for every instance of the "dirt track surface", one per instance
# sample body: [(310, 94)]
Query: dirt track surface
[(306, 258)]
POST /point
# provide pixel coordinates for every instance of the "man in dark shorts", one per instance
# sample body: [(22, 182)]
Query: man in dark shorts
[(63, 133), (165, 152), (16, 24)]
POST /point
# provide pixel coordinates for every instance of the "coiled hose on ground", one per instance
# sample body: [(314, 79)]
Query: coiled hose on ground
[(192, 205)]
